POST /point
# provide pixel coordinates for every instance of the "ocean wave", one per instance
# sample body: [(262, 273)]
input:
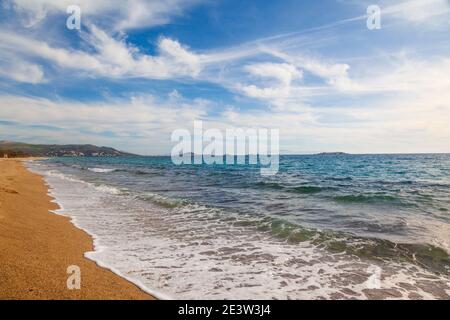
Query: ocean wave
[(396, 182), (340, 178), (138, 171), (102, 187), (268, 185), (430, 256), (102, 170), (60, 175), (367, 198), (307, 232), (161, 200), (141, 172), (109, 189), (307, 189)]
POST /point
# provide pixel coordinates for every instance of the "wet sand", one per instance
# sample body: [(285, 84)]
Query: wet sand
[(37, 246)]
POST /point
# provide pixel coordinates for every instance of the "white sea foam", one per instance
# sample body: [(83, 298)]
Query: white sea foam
[(192, 252), (58, 174), (102, 170), (108, 189), (67, 177)]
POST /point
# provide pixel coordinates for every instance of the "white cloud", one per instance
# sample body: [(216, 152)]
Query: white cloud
[(177, 55), (116, 14), (412, 117), (113, 57), (138, 111), (411, 111), (408, 76), (419, 11), (399, 125), (335, 74), (142, 123), (282, 73), (21, 71)]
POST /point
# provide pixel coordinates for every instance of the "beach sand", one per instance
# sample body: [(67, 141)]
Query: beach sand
[(37, 246)]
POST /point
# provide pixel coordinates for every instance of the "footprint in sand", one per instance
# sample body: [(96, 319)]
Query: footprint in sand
[(7, 190)]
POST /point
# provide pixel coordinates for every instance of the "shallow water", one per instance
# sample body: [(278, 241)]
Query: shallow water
[(366, 226)]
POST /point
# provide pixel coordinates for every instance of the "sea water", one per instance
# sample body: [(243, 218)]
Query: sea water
[(326, 226)]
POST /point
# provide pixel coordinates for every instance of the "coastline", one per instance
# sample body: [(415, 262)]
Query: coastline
[(37, 247)]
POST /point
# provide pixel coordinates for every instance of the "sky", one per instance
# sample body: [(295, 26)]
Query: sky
[(137, 70)]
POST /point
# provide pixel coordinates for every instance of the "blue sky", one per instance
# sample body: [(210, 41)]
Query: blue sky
[(137, 70)]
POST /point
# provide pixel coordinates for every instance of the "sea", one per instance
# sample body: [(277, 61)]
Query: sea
[(330, 226)]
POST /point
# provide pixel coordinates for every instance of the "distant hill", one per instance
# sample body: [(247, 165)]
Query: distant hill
[(19, 149)]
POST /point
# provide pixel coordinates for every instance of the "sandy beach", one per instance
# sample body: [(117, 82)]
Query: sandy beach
[(37, 246)]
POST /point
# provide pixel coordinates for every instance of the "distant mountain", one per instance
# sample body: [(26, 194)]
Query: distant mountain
[(19, 149)]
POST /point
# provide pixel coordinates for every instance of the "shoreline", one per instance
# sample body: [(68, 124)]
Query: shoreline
[(38, 245)]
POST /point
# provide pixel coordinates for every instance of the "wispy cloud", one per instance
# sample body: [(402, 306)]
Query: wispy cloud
[(112, 57), (146, 120), (419, 11), (20, 71), (117, 15), (278, 77)]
